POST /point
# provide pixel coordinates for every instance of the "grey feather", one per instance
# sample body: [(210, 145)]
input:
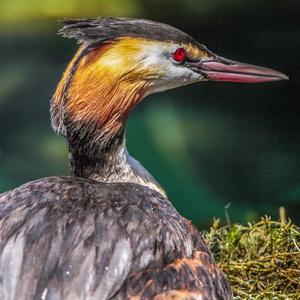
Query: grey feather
[(108, 28), (74, 238)]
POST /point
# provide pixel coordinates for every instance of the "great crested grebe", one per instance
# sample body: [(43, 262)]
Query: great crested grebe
[(108, 231)]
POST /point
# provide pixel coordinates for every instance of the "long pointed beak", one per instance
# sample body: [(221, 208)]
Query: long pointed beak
[(222, 69)]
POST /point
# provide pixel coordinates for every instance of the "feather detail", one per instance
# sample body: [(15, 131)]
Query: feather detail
[(97, 30), (68, 238)]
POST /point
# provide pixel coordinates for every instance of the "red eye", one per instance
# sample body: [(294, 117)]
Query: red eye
[(179, 55)]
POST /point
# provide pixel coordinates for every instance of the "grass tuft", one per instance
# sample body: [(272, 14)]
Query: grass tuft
[(261, 260)]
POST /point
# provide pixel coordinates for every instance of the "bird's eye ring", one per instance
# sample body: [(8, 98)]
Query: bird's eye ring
[(179, 55)]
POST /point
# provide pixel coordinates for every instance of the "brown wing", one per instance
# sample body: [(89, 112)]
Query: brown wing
[(70, 239), (195, 278), (55, 244)]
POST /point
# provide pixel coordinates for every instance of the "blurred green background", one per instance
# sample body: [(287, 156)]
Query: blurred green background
[(208, 144)]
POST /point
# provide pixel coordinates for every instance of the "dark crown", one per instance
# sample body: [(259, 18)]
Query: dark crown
[(97, 30)]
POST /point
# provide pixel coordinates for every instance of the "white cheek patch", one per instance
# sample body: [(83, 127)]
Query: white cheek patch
[(170, 74), (153, 55)]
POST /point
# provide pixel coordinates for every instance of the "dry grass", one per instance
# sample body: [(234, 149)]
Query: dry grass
[(261, 260)]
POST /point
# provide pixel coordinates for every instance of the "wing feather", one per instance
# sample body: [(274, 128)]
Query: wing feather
[(64, 238)]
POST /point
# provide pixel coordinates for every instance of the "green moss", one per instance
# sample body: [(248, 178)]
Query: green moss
[(261, 260)]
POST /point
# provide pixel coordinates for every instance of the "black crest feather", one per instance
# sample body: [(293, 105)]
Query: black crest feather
[(106, 28)]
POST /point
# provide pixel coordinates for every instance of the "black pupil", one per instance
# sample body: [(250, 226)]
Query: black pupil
[(181, 53)]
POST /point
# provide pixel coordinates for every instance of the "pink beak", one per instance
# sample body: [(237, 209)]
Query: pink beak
[(222, 69)]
